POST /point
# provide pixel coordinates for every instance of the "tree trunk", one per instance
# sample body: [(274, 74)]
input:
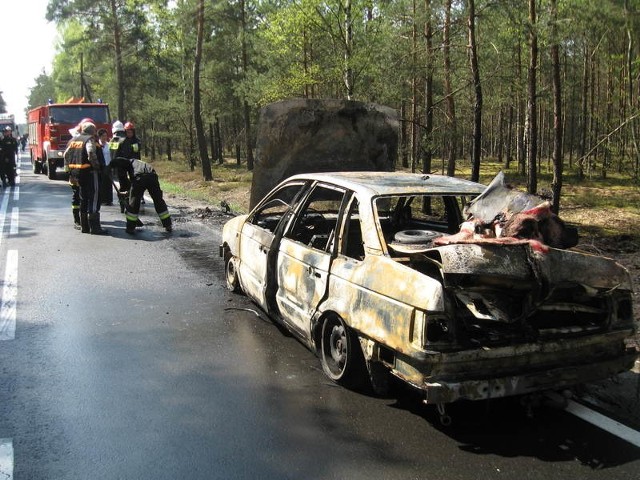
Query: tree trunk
[(428, 92), (348, 49), (197, 114), (219, 152), (556, 184), (212, 142), (117, 42), (521, 128), (585, 91), (477, 86), (404, 156), (414, 92), (630, 59), (509, 152), (448, 91), (246, 109), (532, 180)]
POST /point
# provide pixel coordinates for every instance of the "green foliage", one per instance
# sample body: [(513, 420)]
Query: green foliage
[(300, 48)]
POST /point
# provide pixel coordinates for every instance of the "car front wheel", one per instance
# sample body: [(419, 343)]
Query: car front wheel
[(231, 273), (341, 355)]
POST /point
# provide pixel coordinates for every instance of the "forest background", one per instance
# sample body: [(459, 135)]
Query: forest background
[(546, 90)]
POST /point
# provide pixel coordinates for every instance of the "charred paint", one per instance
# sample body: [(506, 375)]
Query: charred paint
[(514, 319)]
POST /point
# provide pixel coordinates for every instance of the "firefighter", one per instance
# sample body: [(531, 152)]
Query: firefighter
[(8, 152), (128, 148), (82, 161), (118, 137), (143, 178)]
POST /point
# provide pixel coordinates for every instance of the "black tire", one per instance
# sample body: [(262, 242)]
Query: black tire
[(341, 354), (35, 165), (51, 171), (230, 273)]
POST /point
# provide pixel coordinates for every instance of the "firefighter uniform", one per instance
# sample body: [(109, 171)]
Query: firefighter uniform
[(130, 149), (143, 178), (118, 136), (8, 151), (84, 167)]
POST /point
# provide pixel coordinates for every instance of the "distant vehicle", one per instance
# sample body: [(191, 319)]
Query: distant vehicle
[(49, 127), (374, 273)]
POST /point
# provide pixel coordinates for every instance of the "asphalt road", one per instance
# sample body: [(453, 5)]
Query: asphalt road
[(130, 360)]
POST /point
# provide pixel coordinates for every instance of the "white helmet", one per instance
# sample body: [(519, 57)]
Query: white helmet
[(117, 126)]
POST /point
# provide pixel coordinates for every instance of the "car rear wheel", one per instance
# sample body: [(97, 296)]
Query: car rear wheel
[(231, 273), (341, 355)]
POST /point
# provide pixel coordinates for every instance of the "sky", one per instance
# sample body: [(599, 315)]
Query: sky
[(32, 39)]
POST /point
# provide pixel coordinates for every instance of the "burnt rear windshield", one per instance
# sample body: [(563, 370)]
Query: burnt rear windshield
[(74, 113)]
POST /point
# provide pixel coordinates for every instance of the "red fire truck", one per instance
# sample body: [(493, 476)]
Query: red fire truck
[(49, 127)]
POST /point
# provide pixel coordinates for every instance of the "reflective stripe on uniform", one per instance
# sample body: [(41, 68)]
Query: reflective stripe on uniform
[(131, 217), (79, 165), (164, 215)]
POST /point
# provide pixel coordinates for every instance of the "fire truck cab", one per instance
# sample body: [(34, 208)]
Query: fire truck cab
[(49, 127)]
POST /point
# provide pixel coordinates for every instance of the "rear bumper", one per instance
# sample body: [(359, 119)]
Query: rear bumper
[(553, 379), (481, 374)]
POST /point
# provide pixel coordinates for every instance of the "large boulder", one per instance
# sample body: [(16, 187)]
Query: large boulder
[(322, 135)]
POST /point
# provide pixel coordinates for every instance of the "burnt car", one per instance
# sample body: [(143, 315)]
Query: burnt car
[(374, 272)]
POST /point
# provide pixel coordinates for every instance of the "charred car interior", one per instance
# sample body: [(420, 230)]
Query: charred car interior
[(461, 290)]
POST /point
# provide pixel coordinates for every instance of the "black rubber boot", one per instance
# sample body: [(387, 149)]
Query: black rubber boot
[(131, 227), (166, 223), (76, 219), (94, 225), (84, 223)]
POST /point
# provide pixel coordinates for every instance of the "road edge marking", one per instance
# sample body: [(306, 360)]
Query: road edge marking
[(9, 297), (6, 459), (605, 423)]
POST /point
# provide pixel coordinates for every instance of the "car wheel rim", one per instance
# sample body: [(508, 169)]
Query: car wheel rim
[(335, 349), (232, 276), (338, 345)]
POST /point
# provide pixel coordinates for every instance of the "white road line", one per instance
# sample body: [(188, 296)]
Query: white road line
[(3, 214), (15, 213), (6, 459), (605, 423), (9, 297), (16, 191)]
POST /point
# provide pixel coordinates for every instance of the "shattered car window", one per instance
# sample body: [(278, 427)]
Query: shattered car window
[(418, 219), (315, 224), (274, 209)]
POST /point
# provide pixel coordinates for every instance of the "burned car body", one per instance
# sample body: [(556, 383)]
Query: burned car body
[(366, 268)]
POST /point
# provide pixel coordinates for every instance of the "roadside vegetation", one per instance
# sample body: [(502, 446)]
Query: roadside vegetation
[(528, 83), (606, 211)]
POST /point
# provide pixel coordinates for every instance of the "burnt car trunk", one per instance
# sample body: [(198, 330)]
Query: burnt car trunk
[(513, 293)]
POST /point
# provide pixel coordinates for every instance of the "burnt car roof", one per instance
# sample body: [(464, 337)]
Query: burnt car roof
[(396, 183)]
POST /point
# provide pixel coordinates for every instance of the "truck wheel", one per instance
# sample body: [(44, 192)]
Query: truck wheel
[(35, 165), (51, 171)]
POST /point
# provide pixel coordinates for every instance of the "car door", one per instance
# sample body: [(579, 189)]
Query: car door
[(259, 235), (304, 257)]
